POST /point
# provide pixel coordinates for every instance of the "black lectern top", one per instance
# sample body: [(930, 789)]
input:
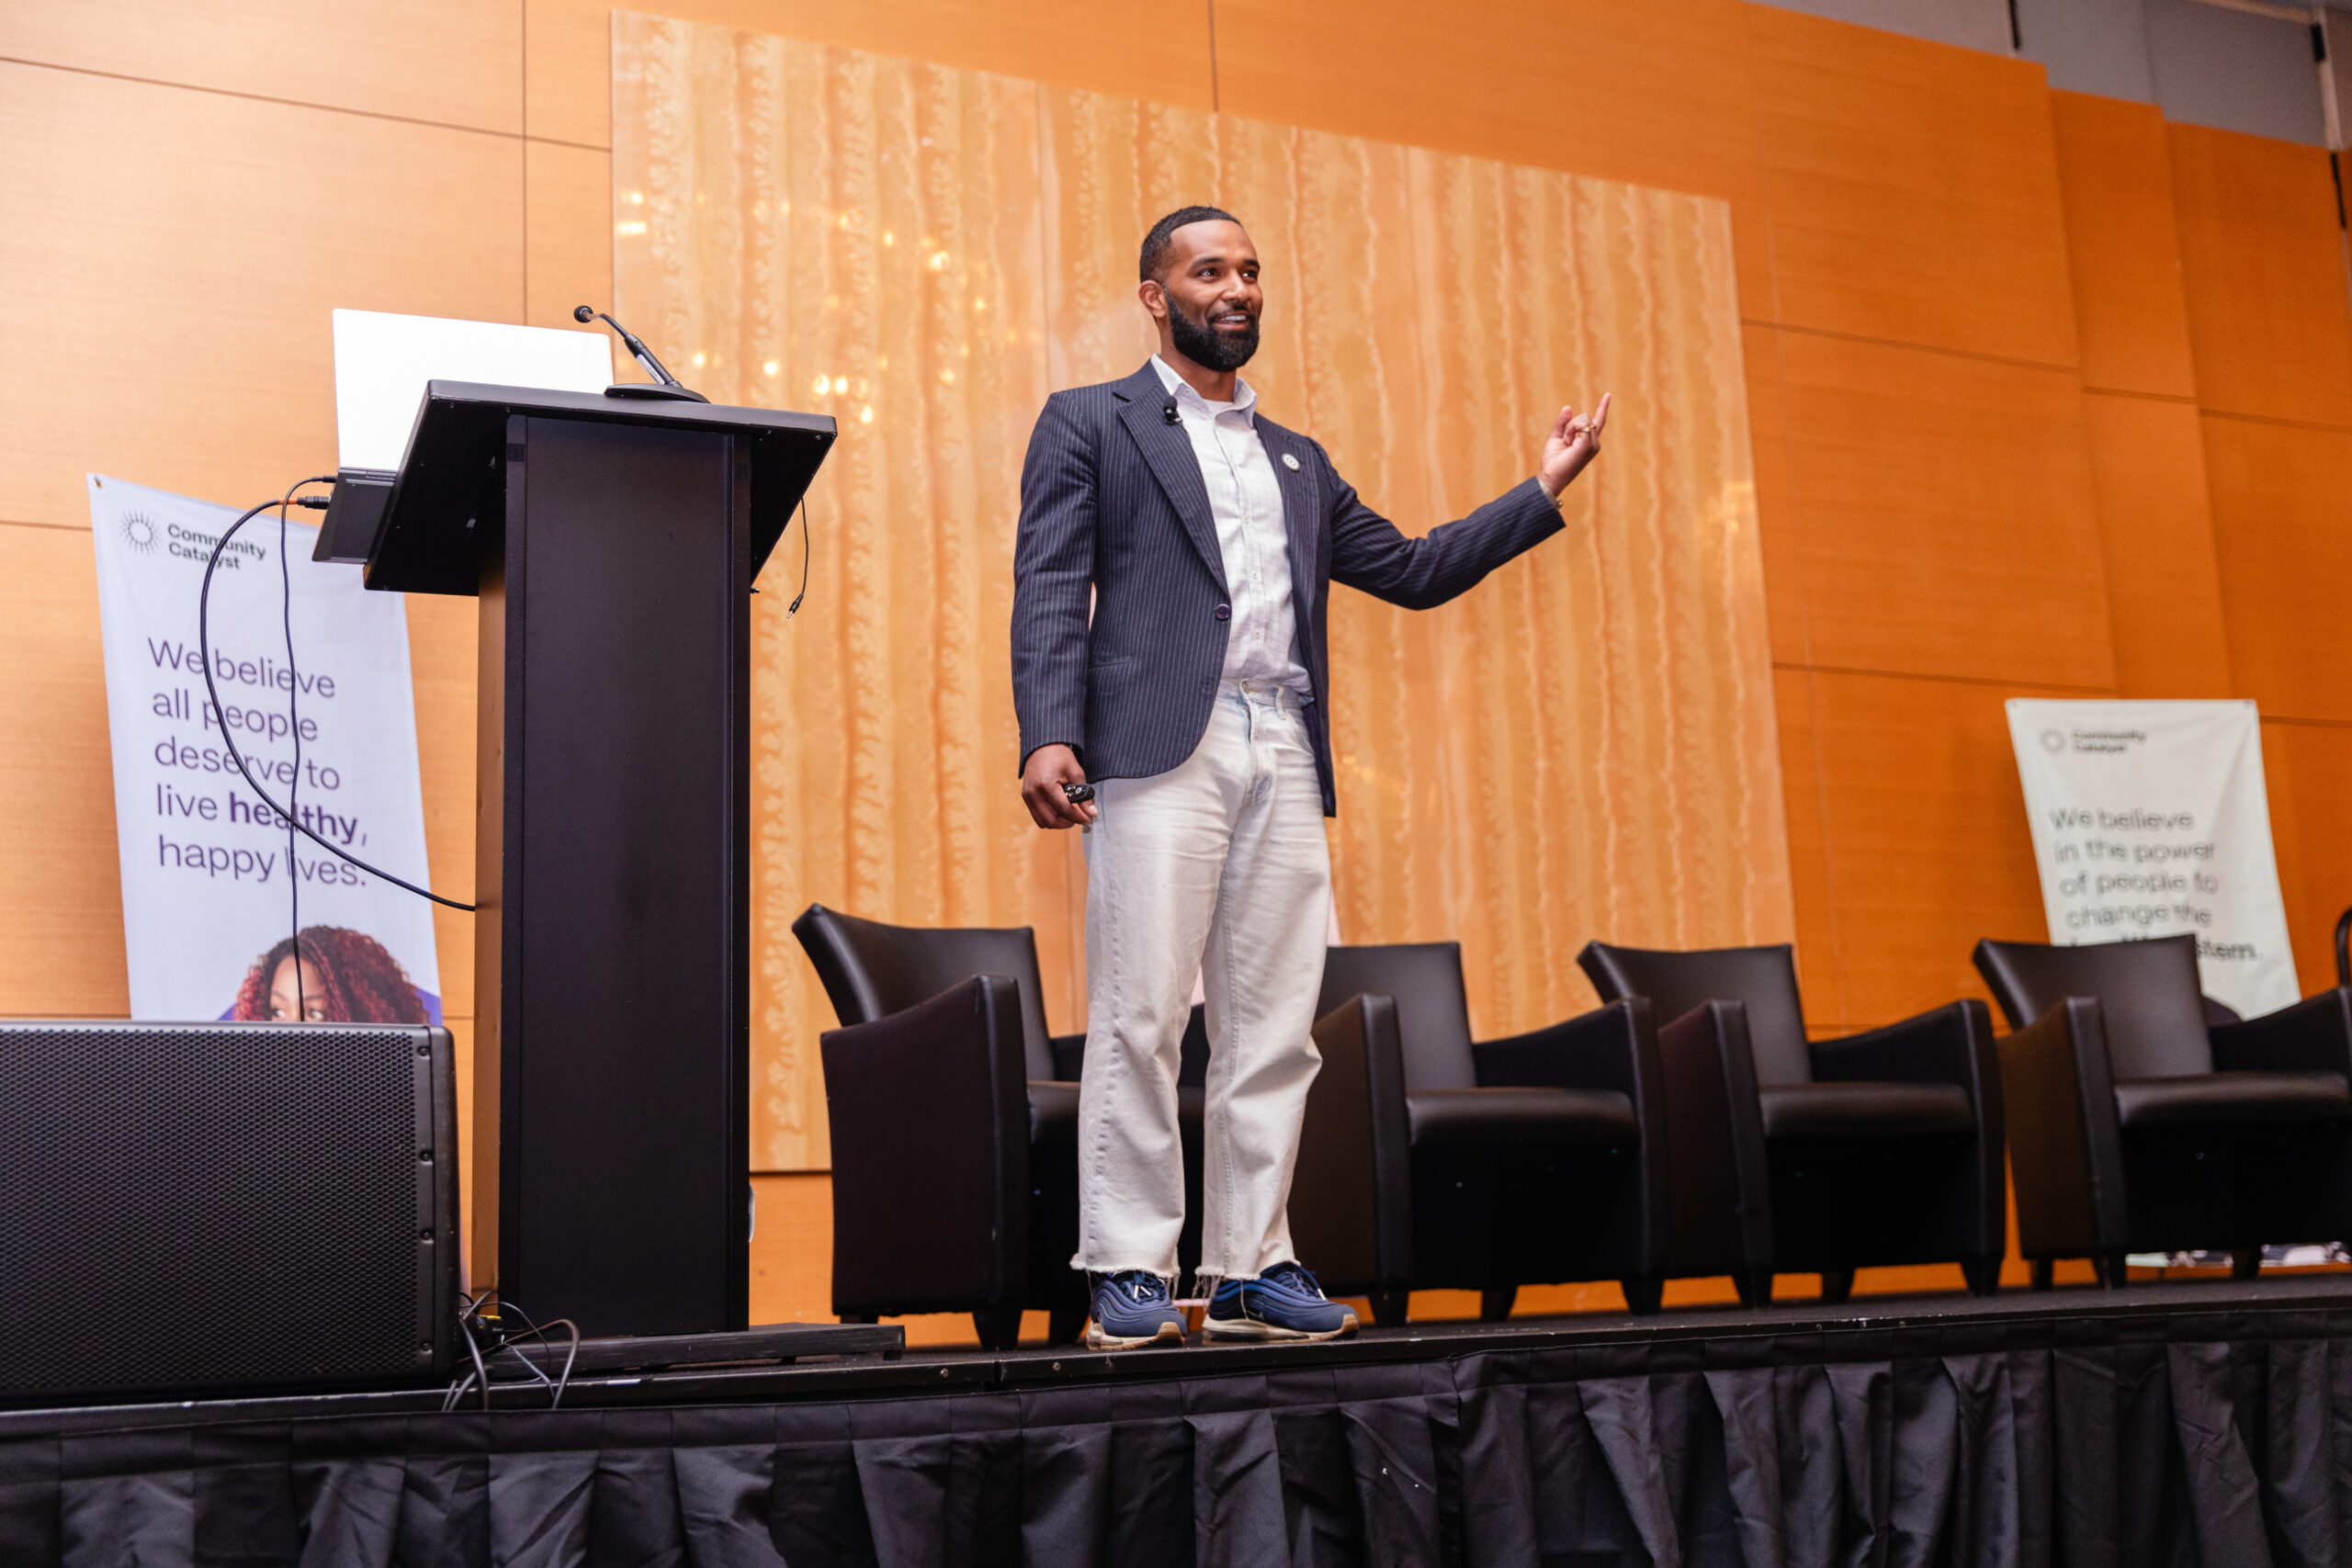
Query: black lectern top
[(450, 493)]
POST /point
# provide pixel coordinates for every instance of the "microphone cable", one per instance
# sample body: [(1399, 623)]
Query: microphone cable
[(793, 608), (204, 650)]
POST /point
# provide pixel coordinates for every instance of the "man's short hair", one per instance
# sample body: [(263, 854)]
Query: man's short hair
[(1155, 243)]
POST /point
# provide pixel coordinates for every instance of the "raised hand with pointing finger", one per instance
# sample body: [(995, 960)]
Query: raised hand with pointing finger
[(1575, 441)]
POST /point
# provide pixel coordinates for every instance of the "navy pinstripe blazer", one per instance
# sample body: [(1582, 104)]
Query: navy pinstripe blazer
[(1112, 500)]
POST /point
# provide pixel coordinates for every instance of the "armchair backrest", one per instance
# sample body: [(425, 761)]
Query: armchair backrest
[(870, 970), (1432, 1008), (1762, 978), (2147, 992)]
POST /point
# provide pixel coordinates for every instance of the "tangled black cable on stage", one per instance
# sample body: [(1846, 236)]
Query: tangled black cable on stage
[(2162, 1433)]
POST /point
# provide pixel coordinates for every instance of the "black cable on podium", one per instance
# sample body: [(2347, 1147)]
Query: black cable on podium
[(204, 649), (295, 824)]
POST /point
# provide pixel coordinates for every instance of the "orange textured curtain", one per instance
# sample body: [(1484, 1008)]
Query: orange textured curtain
[(1583, 746)]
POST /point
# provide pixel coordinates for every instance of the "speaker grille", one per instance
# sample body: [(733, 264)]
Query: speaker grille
[(185, 1206)]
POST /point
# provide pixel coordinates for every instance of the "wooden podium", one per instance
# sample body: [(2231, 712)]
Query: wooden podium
[(613, 542)]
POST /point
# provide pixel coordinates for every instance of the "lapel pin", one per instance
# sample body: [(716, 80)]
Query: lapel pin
[(1290, 462)]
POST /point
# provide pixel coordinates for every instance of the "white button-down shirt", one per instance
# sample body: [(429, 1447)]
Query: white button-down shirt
[(1245, 500)]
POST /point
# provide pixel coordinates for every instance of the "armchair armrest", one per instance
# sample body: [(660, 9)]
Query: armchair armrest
[(1719, 1184), (1939, 1046), (947, 1077), (2067, 1151), (1069, 1054), (1612, 1047), (1952, 1044), (1351, 1193), (2313, 1035)]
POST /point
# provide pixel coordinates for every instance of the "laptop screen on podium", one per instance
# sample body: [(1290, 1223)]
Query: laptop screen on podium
[(382, 362)]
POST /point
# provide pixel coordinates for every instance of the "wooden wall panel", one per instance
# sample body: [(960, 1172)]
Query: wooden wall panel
[(792, 1248), (1914, 190), (1658, 94), (61, 910), (1777, 537), (1927, 846), (2147, 458), (2264, 262), (1943, 513), (1114, 46), (442, 644), (454, 62), (568, 240), (172, 257), (2123, 245), (1821, 971), (2157, 533), (2286, 554)]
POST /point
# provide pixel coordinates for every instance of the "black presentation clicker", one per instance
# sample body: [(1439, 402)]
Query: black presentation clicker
[(613, 544)]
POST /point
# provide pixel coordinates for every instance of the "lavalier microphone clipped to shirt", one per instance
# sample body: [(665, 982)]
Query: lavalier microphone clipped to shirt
[(1168, 412)]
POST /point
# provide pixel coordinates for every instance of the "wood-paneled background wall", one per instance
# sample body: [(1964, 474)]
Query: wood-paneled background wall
[(2047, 396)]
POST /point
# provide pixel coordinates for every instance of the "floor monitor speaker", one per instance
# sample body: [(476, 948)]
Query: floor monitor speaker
[(208, 1207)]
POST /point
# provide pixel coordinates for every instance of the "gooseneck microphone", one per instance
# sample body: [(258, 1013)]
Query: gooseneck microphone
[(665, 385)]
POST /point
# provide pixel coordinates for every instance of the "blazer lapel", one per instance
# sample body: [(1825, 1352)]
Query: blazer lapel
[(1169, 452), (1302, 510)]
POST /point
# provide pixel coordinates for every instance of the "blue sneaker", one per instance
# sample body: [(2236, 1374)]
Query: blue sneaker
[(1131, 1309), (1285, 1302)]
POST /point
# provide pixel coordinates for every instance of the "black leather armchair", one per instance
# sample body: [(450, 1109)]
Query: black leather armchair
[(921, 1069), (1429, 1162), (1880, 1147), (2146, 1120)]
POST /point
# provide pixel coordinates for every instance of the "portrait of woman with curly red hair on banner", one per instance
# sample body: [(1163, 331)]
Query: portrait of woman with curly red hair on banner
[(329, 974)]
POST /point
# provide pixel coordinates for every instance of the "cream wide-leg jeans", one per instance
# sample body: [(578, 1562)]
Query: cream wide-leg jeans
[(1218, 868)]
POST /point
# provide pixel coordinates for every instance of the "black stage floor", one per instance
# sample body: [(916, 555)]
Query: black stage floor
[(1697, 1334), (2196, 1421)]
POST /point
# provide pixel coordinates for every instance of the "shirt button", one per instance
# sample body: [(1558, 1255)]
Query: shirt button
[(1225, 611)]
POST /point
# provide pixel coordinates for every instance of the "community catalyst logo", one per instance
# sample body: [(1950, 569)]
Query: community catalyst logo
[(2107, 741), (191, 545)]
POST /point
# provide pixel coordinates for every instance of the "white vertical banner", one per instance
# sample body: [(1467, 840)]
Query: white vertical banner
[(2150, 820), (213, 893)]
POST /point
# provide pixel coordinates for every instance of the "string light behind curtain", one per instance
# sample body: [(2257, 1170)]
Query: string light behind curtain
[(1584, 746)]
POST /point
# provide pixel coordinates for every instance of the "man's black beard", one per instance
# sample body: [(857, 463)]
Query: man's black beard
[(1209, 349)]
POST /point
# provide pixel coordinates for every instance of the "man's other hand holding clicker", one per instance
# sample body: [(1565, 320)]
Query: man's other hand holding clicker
[(1042, 778)]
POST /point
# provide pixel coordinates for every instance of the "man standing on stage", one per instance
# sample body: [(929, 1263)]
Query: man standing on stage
[(1203, 539)]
